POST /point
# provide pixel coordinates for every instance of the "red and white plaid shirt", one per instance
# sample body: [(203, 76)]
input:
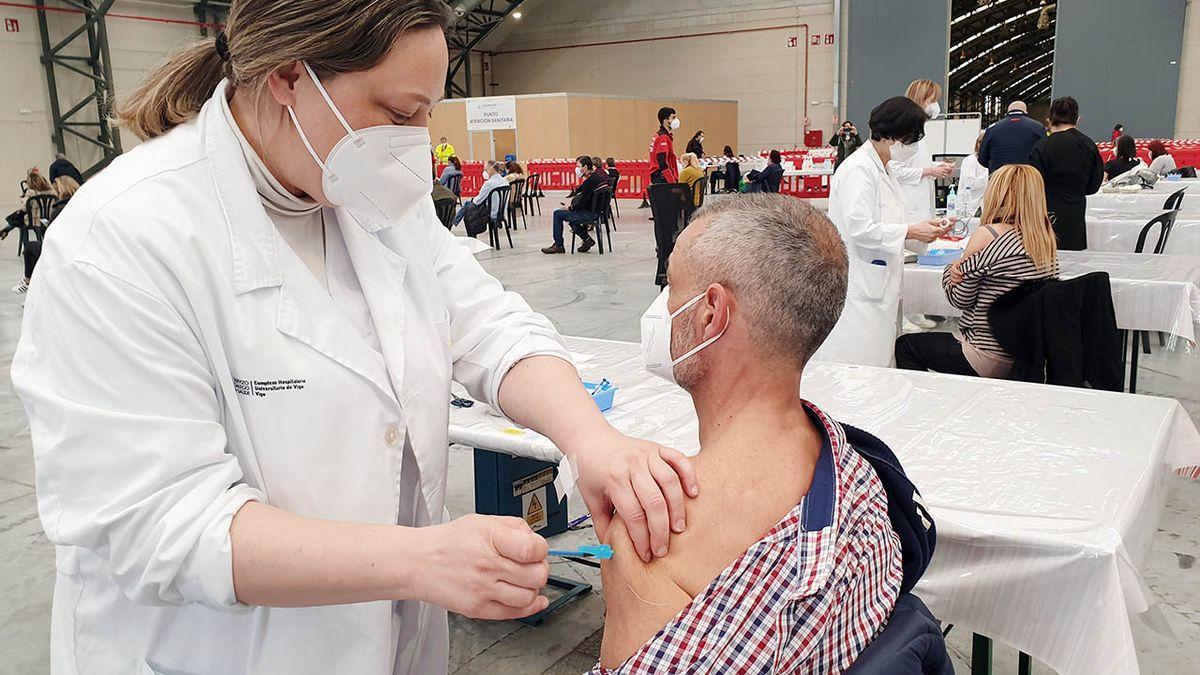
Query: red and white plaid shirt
[(806, 598)]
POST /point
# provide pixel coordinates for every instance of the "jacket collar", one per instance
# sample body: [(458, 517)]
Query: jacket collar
[(252, 239)]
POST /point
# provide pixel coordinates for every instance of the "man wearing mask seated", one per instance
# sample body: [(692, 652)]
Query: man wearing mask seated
[(789, 562)]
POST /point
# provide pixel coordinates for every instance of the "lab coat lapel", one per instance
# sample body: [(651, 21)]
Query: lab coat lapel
[(380, 273), (307, 313)]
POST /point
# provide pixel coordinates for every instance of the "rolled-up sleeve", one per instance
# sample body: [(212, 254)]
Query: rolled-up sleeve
[(491, 329), (129, 447)]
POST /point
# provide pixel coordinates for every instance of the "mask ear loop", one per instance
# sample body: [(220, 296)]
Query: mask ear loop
[(329, 101), (702, 345)]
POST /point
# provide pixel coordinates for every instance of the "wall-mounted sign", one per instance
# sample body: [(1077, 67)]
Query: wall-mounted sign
[(493, 112), (12, 26)]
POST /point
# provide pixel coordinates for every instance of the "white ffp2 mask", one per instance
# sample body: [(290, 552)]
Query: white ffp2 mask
[(656, 337), (675, 123), (902, 152), (933, 109), (378, 173)]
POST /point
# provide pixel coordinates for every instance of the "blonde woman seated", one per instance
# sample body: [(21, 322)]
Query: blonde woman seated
[(1016, 244), (691, 172)]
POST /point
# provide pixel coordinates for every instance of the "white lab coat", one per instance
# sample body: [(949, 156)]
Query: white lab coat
[(866, 206), (178, 360), (916, 189), (974, 174)]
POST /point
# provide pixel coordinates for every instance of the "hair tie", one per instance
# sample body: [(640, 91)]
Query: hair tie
[(222, 46)]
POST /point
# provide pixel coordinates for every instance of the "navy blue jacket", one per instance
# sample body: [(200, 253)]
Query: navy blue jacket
[(1010, 141), (911, 643)]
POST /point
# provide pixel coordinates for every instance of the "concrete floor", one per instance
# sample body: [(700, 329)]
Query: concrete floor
[(592, 296)]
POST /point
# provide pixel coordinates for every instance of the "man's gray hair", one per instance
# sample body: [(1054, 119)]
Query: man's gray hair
[(785, 263), (495, 166)]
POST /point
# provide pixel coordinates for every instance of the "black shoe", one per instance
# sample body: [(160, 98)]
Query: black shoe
[(554, 248), (587, 245)]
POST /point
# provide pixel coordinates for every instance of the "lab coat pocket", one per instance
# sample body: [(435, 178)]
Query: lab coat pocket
[(875, 279)]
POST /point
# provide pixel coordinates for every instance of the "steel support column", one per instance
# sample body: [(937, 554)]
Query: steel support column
[(95, 66), (476, 20), (210, 13)]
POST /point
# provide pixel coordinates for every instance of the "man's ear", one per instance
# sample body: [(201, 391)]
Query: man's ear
[(717, 307), (282, 83)]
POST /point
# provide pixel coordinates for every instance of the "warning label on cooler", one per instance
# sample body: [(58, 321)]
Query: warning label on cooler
[(533, 508)]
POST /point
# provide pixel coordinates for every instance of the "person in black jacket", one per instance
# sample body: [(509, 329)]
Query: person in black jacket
[(1010, 139), (63, 167), (1125, 159), (580, 209), (768, 179), (846, 140), (696, 145), (1071, 166)]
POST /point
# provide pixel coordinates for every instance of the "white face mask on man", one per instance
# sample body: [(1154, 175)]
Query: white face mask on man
[(675, 123), (656, 336), (377, 173)]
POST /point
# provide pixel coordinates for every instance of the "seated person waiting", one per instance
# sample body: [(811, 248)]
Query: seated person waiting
[(1161, 161), (1125, 159), (722, 173), (1016, 244), (492, 179), (579, 211), (691, 172), (453, 168), (811, 571), (769, 179), (513, 171)]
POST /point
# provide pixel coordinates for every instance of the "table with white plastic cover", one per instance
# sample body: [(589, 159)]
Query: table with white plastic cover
[(1045, 498), (1145, 202), (1150, 292), (1118, 233)]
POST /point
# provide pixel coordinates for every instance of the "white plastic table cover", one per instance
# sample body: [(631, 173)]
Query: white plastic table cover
[(1150, 292), (1145, 202), (1045, 498), (1119, 234)]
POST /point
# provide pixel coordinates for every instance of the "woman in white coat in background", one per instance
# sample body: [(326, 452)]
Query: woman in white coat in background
[(915, 175), (866, 205), (237, 360)]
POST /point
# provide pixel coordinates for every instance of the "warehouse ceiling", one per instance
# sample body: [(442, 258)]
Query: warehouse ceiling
[(1000, 50)]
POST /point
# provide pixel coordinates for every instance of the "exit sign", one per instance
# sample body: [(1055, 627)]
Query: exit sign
[(12, 26)]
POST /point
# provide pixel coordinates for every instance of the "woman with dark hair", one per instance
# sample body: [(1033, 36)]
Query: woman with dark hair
[(1117, 132), (1125, 159), (1161, 161), (769, 179), (453, 168), (867, 206), (696, 145), (1072, 169), (722, 172), (513, 171)]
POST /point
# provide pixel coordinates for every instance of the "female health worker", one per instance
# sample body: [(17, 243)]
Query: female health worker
[(867, 207), (916, 174), (237, 360)]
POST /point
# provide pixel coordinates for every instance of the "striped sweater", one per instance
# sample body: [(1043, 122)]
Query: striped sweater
[(989, 273)]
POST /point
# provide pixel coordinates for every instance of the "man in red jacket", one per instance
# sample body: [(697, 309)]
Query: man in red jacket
[(663, 164)]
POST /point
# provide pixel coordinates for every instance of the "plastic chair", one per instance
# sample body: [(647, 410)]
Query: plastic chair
[(445, 211), (699, 189), (1175, 201), (613, 181), (37, 211), (497, 202), (533, 192), (455, 186), (517, 201), (601, 211), (1165, 222)]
